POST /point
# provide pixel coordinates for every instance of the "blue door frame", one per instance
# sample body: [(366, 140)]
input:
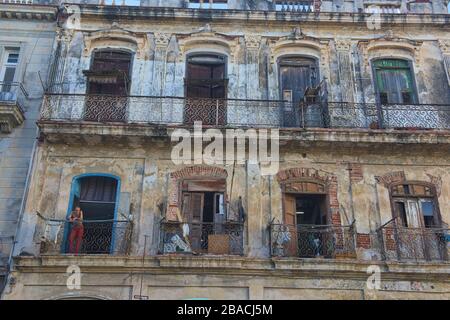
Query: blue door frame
[(76, 189)]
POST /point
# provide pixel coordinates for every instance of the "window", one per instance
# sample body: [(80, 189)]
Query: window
[(208, 4), (10, 61), (394, 81), (415, 205)]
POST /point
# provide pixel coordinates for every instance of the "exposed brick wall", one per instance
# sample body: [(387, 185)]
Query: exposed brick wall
[(363, 240), (356, 172), (390, 178), (192, 172), (200, 171)]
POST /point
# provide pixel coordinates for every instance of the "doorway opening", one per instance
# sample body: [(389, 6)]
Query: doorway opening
[(97, 198), (108, 86), (306, 217), (204, 209), (206, 89), (296, 75)]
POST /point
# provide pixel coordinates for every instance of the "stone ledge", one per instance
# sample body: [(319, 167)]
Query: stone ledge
[(232, 265), (57, 130), (11, 116), (137, 12)]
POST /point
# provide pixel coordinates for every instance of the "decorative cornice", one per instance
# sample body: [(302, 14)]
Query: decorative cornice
[(28, 12), (437, 182), (389, 178)]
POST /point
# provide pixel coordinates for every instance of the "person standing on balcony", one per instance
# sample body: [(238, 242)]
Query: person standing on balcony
[(77, 230)]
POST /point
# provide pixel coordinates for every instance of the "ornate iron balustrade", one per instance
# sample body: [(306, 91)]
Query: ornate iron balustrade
[(242, 113), (310, 241), (202, 238), (295, 6), (413, 244), (17, 1), (111, 237), (374, 116)]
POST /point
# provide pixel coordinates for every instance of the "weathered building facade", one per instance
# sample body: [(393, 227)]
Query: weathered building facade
[(361, 102), (27, 34)]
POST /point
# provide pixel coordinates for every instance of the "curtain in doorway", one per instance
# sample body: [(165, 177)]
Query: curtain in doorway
[(98, 189)]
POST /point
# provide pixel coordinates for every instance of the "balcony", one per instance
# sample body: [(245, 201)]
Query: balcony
[(104, 237), (202, 238), (241, 113), (414, 244), (12, 98), (312, 241), (17, 1)]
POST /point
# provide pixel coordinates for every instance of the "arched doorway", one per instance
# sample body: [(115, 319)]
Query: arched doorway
[(97, 196)]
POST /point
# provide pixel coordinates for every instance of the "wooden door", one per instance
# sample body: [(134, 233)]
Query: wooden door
[(296, 74), (291, 247), (193, 203)]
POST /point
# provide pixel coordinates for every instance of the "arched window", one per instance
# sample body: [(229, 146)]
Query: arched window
[(415, 204), (394, 81)]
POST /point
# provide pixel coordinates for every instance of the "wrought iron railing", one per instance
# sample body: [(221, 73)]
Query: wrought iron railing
[(401, 243), (13, 93), (310, 241), (202, 238), (111, 237), (17, 1), (242, 113)]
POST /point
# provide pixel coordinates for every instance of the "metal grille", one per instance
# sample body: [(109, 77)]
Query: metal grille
[(294, 6), (202, 238), (98, 237), (309, 241), (413, 244), (243, 113), (208, 111)]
